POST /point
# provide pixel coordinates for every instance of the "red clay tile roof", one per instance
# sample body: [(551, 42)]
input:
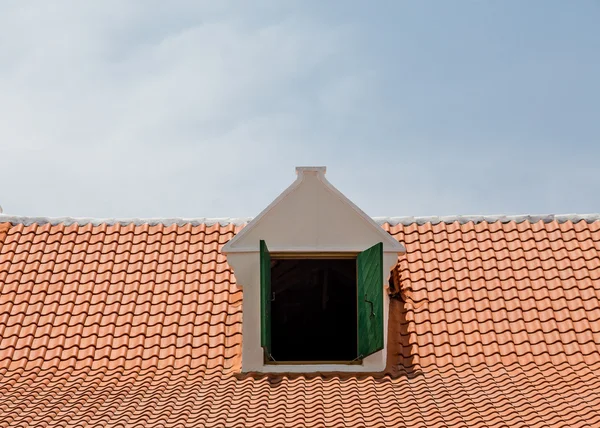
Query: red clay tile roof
[(494, 324)]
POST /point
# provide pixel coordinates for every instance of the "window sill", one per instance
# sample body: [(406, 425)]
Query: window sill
[(318, 368), (314, 363)]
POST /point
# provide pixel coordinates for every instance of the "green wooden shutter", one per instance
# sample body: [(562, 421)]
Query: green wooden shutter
[(265, 298), (370, 300)]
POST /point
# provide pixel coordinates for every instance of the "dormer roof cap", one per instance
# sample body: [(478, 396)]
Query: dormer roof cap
[(320, 170)]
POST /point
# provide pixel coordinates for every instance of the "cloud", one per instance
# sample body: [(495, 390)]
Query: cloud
[(106, 101)]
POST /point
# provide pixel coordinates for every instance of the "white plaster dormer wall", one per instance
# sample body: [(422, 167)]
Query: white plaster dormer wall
[(309, 216)]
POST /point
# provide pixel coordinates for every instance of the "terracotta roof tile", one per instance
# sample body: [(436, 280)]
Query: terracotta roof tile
[(130, 325)]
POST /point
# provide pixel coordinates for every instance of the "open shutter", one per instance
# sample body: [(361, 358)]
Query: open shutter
[(370, 300), (265, 298)]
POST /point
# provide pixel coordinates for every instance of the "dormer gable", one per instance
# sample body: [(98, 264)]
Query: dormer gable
[(314, 268)]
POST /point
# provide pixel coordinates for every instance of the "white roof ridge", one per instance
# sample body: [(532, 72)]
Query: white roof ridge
[(238, 221), (167, 221), (462, 219)]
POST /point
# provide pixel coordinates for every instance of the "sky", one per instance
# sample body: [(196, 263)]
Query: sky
[(203, 108)]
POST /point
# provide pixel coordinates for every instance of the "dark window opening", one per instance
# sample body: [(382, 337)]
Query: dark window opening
[(313, 310)]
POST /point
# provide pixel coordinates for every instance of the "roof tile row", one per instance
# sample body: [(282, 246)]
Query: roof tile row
[(495, 324)]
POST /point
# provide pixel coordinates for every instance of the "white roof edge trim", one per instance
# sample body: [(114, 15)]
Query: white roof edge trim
[(463, 219), (166, 221), (240, 221)]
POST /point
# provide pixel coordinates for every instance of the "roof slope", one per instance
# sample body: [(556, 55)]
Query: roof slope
[(495, 324)]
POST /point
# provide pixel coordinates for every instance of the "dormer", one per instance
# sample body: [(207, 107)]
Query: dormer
[(314, 269)]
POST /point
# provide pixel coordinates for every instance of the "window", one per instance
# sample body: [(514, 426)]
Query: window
[(313, 309), (326, 309)]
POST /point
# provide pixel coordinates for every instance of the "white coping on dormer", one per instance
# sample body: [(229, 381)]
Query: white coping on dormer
[(318, 169), (240, 221)]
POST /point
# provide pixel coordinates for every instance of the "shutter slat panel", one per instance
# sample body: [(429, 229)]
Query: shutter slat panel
[(370, 300)]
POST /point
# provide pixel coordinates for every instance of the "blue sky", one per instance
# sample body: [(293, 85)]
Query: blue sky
[(203, 109)]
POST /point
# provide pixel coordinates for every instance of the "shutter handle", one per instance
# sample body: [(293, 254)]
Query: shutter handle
[(371, 303), (273, 297)]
